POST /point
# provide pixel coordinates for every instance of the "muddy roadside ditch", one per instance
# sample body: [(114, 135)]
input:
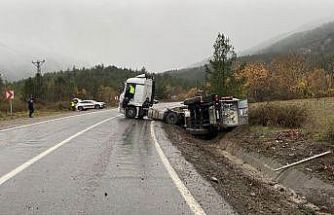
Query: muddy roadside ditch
[(240, 173)]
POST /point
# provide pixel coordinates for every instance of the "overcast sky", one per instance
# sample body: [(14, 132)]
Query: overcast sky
[(157, 34)]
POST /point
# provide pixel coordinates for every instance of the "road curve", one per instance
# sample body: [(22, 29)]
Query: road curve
[(99, 163)]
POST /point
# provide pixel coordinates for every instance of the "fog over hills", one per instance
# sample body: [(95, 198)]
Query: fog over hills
[(310, 40), (270, 41), (15, 61), (317, 36), (319, 40)]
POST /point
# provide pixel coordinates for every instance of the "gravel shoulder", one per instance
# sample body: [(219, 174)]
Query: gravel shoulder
[(247, 193), (286, 146)]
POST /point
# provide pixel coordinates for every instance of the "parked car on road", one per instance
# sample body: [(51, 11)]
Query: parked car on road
[(88, 104), (84, 105), (97, 105)]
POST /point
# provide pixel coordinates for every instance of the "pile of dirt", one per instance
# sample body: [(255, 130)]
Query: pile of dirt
[(246, 193), (287, 146)]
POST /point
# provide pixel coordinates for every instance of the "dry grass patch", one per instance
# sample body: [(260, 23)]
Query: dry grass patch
[(287, 116)]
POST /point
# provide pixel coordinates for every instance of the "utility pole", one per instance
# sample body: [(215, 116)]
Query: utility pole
[(9, 97), (2, 76), (38, 64), (38, 79)]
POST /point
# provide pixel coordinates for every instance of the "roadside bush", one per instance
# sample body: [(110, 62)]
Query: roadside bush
[(329, 132), (263, 115), (57, 106), (18, 106), (288, 116), (292, 116)]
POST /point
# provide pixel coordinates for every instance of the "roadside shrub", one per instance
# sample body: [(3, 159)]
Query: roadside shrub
[(288, 116), (57, 106), (63, 106), (329, 131), (18, 106), (262, 115), (292, 116)]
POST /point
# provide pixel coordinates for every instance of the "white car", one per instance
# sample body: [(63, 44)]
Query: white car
[(97, 105), (84, 105)]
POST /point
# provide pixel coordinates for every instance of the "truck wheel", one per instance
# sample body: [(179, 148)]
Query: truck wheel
[(131, 112), (80, 108), (171, 118), (97, 106), (213, 132)]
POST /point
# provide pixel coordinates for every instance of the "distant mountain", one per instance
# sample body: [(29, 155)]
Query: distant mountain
[(15, 63), (192, 75), (316, 42), (257, 48), (319, 40), (200, 63), (267, 43)]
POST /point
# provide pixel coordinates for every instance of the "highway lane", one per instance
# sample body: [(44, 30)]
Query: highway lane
[(112, 168), (22, 143)]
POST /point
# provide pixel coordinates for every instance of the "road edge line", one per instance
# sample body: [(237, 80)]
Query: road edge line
[(186, 194), (33, 160), (53, 120)]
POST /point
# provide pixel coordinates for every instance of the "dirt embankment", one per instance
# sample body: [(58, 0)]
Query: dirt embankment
[(246, 192), (287, 146)]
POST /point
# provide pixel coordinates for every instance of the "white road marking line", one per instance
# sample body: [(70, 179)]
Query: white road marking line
[(25, 165), (188, 197), (53, 120)]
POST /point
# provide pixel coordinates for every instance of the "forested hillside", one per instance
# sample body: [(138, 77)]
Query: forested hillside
[(300, 65), (317, 45), (192, 75), (99, 82), (316, 41)]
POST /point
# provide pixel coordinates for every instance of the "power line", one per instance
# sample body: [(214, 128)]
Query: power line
[(38, 64), (38, 79)]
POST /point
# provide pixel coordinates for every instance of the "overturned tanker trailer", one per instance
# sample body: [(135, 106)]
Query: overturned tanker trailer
[(205, 115)]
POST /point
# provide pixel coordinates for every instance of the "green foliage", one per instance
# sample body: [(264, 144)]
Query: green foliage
[(64, 85), (99, 82), (2, 85), (220, 76), (28, 88), (168, 85)]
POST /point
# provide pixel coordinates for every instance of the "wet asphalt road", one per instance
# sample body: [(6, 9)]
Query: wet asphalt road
[(112, 168)]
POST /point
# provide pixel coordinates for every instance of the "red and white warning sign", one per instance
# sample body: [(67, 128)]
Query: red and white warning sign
[(10, 94)]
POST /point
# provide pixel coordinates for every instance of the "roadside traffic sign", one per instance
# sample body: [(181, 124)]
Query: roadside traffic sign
[(10, 94)]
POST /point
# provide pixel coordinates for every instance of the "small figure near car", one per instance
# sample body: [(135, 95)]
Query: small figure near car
[(31, 106), (73, 106)]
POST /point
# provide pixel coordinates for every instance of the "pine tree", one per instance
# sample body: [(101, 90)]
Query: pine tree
[(223, 58)]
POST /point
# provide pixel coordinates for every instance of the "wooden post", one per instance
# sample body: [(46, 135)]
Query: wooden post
[(11, 107)]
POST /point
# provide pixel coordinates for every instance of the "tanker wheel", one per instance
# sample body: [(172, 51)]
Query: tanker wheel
[(171, 118), (213, 132), (131, 112)]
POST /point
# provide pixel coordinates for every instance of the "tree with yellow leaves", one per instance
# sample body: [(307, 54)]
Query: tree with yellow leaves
[(288, 73), (317, 83), (255, 80)]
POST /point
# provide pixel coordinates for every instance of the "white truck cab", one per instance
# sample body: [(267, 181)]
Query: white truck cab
[(137, 96)]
